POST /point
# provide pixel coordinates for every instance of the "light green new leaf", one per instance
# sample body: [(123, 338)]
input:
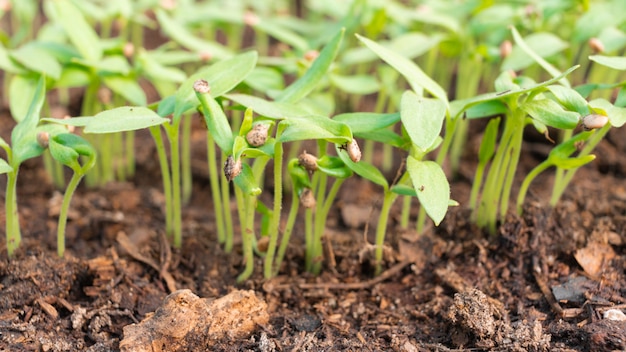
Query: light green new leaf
[(182, 36), (5, 167), (125, 118), (551, 113), (35, 57), (570, 99), (305, 84), (540, 60), (333, 166), (414, 75), (128, 88), (422, 118), (282, 34), (364, 169), (64, 154), (431, 185), (614, 62), (457, 107), (617, 115), (78, 30), (221, 76), (313, 127), (23, 136), (246, 181), (269, 109), (543, 44), (217, 122), (21, 90), (356, 84), (362, 122)]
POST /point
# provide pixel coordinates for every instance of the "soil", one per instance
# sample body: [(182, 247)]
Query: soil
[(548, 281)]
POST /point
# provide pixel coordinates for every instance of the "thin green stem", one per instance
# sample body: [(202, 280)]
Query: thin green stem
[(65, 206), (247, 239), (172, 133), (13, 233), (278, 202), (514, 152), (291, 221), (167, 181), (214, 181), (186, 159), (228, 218), (321, 216), (526, 184), (381, 229)]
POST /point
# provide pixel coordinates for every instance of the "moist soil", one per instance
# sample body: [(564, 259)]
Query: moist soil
[(547, 281)]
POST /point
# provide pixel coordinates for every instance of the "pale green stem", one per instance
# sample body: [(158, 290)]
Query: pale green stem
[(228, 218), (214, 180), (247, 239), (186, 159), (278, 201), (381, 229), (167, 181), (321, 216), (65, 206), (172, 133), (526, 184), (291, 220), (13, 233)]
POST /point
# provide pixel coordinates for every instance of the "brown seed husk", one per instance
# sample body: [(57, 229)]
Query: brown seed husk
[(232, 168), (201, 86), (257, 135), (307, 199), (593, 121), (43, 139), (354, 152), (308, 161)]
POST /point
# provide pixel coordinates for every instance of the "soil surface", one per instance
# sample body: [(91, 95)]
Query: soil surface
[(552, 280)]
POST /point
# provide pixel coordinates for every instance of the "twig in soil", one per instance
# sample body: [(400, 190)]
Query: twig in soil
[(358, 285), (132, 250)]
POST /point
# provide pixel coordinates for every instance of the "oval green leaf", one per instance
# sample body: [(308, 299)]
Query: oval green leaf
[(125, 118), (422, 118), (431, 186)]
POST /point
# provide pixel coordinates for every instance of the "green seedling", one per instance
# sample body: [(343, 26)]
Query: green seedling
[(67, 148), (24, 146)]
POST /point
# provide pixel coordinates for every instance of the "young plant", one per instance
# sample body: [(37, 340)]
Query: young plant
[(24, 146), (67, 148)]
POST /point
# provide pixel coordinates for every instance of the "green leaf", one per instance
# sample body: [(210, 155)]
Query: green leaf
[(305, 84), (265, 79), (64, 154), (573, 163), (333, 166), (614, 62), (125, 118), (385, 136), (158, 71), (5, 167), (80, 33), (457, 107), (551, 114), (570, 99), (486, 109), (221, 76), (246, 181), (404, 190), (541, 61), (568, 147), (414, 75), (21, 90), (217, 122), (356, 84), (128, 88), (269, 109), (488, 144), (431, 185), (76, 142), (422, 118), (313, 127), (409, 45), (24, 135), (182, 36), (617, 115), (282, 34), (364, 169), (361, 122), (35, 57), (542, 43)]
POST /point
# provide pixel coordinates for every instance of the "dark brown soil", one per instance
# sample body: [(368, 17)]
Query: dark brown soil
[(545, 283)]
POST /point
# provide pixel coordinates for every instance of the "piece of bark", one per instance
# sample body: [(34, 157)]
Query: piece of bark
[(186, 322)]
